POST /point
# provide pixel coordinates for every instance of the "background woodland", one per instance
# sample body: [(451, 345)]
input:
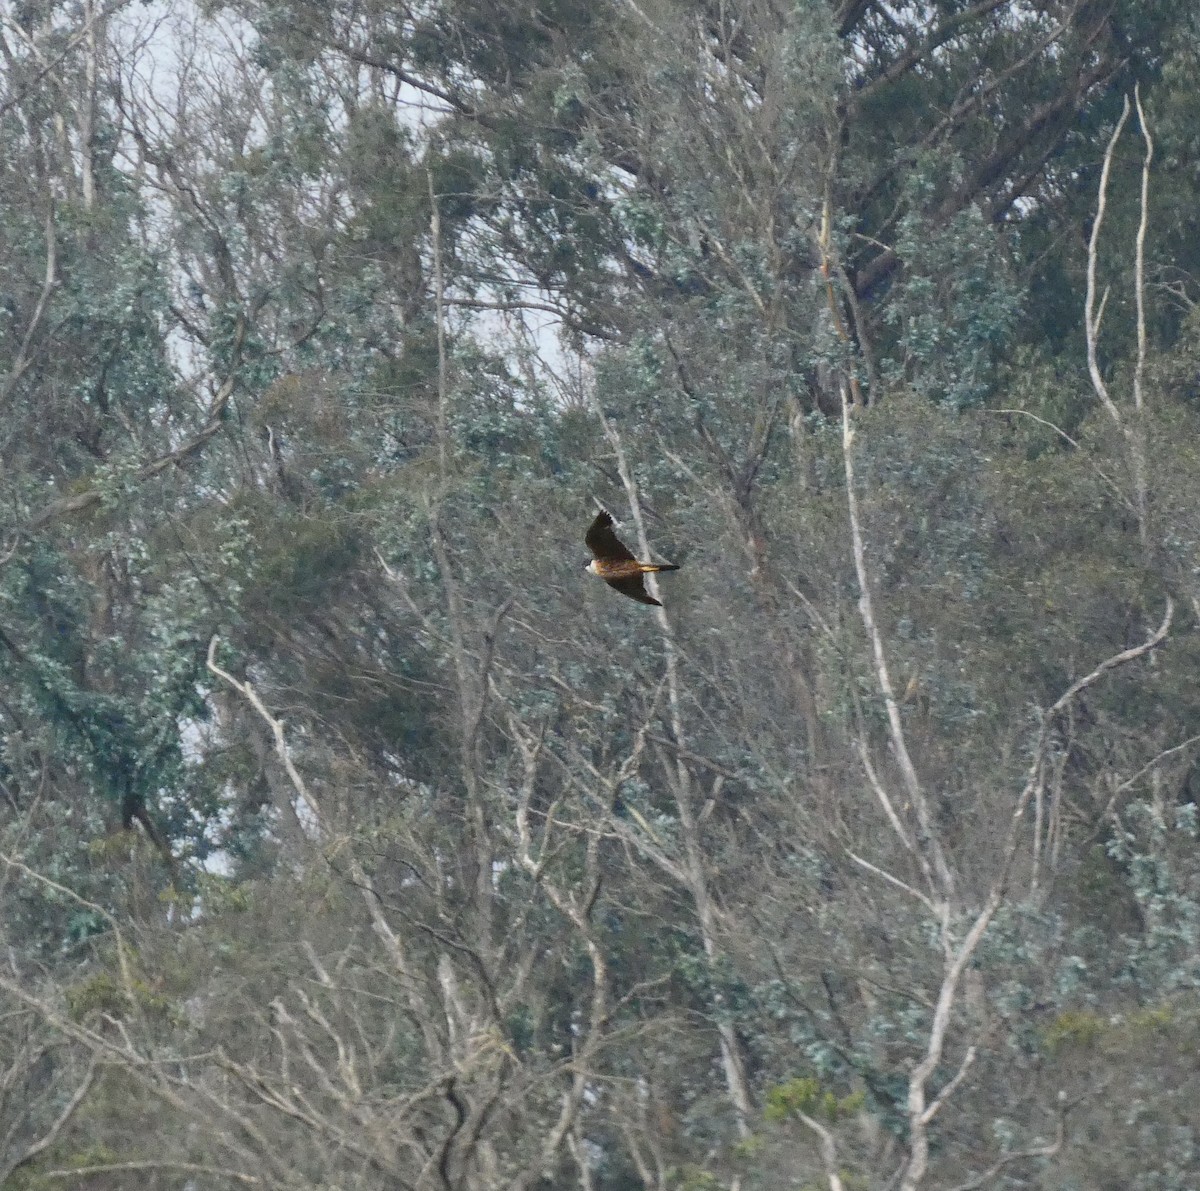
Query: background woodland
[(351, 837)]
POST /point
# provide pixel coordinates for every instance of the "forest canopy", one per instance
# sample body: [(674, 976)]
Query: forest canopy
[(352, 836)]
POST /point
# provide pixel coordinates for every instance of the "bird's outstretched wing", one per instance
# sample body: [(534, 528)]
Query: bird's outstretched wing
[(605, 544), (634, 586)]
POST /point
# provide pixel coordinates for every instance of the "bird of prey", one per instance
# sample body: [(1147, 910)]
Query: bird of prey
[(616, 565)]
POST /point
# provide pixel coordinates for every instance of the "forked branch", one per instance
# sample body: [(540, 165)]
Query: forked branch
[(926, 848), (920, 1110), (1133, 429)]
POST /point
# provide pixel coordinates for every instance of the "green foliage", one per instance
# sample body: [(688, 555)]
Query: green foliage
[(694, 1178), (955, 309), (1073, 1030), (804, 1094), (105, 994)]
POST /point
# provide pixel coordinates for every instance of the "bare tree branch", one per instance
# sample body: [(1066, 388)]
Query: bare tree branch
[(928, 840), (153, 1165), (958, 955), (828, 1147), (1043, 1151), (51, 1135)]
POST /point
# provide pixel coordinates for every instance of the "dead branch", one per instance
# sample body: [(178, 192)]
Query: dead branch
[(957, 956), (158, 1164), (1093, 315), (828, 1147), (927, 841)]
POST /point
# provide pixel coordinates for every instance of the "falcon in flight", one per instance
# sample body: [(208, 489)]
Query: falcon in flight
[(616, 565)]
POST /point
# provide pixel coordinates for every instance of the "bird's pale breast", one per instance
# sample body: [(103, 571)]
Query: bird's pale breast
[(616, 568)]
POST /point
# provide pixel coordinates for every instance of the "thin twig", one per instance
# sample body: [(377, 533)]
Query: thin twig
[(67, 892), (1043, 1151), (51, 1135), (1112, 485), (892, 879), (940, 1099), (158, 1164), (1154, 762), (277, 731)]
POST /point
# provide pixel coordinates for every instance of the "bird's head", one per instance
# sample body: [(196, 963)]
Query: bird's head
[(590, 566)]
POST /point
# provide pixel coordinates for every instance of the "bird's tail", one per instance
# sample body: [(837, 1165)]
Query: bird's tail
[(651, 568)]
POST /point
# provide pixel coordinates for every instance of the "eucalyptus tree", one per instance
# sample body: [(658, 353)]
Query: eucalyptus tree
[(520, 885)]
